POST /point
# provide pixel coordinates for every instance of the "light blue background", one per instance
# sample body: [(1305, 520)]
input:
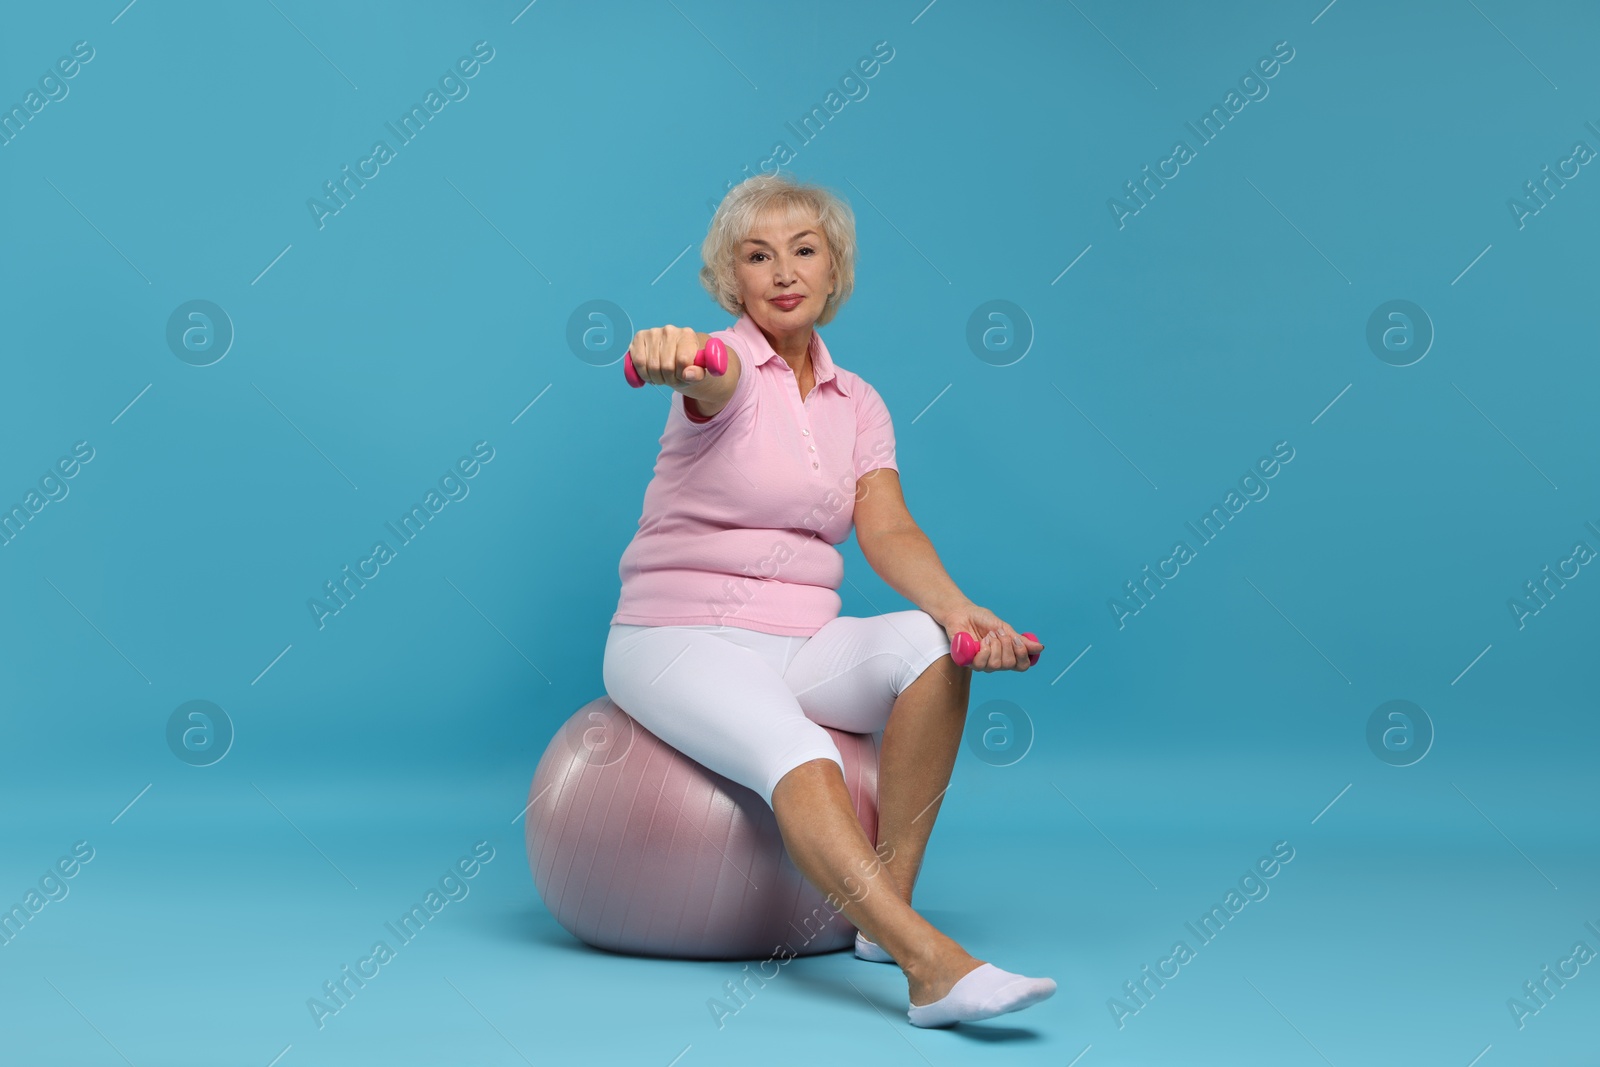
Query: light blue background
[(1228, 315)]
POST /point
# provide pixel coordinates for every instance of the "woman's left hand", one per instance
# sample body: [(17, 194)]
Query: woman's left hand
[(1002, 648)]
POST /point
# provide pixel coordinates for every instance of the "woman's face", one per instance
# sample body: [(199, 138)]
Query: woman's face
[(784, 272)]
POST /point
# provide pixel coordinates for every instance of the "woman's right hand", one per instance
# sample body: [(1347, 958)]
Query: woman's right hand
[(665, 355)]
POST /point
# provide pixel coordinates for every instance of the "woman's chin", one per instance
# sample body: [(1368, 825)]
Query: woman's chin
[(774, 319)]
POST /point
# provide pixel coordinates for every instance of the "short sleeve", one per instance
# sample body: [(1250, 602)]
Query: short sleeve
[(743, 390), (874, 432)]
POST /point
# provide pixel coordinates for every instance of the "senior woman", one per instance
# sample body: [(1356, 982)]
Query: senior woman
[(727, 641)]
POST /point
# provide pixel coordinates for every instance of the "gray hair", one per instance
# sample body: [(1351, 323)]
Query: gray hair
[(745, 205)]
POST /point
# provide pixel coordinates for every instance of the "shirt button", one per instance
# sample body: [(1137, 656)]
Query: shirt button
[(806, 432), (814, 463), (813, 448)]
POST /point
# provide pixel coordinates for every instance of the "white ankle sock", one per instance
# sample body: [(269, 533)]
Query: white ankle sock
[(871, 950), (982, 993)]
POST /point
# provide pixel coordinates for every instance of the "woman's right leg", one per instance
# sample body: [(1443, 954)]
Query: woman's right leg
[(713, 699)]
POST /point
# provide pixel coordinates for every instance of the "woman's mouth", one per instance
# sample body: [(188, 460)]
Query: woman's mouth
[(787, 303)]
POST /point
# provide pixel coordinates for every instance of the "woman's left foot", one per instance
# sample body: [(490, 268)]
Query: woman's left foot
[(871, 950), (982, 993)]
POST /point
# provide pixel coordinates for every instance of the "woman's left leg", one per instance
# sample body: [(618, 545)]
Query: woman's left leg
[(892, 673), (920, 744)]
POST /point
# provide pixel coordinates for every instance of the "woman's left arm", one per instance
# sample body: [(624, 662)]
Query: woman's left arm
[(903, 556)]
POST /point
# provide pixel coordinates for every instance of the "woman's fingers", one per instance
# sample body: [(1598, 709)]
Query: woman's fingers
[(984, 660), (664, 355), (996, 653), (685, 347), (1020, 647), (672, 358), (646, 361), (1007, 653), (984, 625)]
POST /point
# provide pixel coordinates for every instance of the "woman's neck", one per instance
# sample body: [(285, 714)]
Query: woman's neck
[(793, 348)]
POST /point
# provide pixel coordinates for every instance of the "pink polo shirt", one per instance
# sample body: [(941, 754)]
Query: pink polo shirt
[(745, 508)]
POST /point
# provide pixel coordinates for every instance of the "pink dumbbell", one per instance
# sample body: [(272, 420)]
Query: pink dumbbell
[(713, 357), (964, 649)]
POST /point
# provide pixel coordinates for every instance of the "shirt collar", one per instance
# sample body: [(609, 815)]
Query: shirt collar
[(760, 350)]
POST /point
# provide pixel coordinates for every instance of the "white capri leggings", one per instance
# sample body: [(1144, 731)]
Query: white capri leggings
[(751, 705)]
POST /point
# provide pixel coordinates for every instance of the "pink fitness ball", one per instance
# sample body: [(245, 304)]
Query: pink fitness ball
[(637, 848)]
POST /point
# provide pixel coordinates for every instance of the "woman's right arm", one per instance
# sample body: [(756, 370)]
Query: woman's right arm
[(665, 355)]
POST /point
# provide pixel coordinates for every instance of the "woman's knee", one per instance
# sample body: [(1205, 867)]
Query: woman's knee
[(930, 632), (804, 768), (929, 641)]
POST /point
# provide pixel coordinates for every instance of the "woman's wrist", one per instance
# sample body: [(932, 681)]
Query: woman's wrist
[(944, 610)]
